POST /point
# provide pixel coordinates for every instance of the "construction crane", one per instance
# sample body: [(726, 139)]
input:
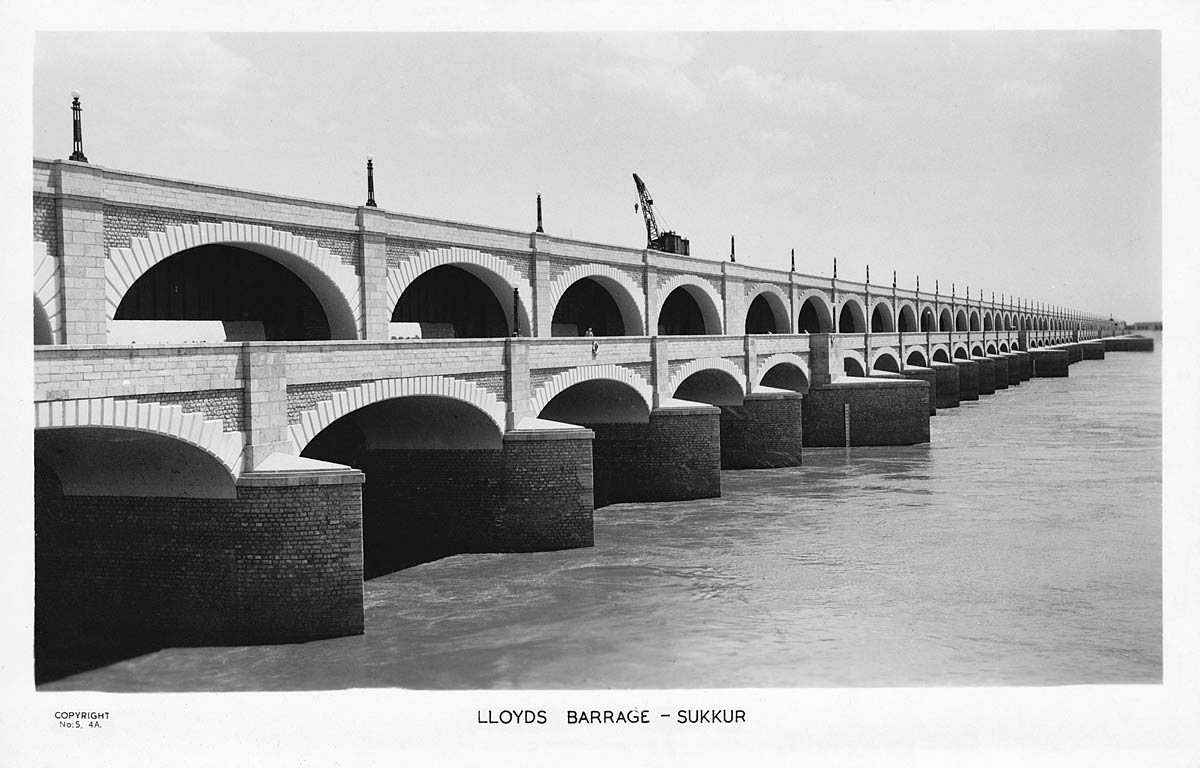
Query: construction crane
[(667, 242)]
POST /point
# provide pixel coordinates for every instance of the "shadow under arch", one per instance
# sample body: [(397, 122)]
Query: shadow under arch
[(291, 297)]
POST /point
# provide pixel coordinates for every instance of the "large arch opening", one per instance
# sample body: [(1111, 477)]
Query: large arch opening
[(598, 304), (767, 315), (881, 319), (455, 301), (114, 560), (946, 321), (851, 319), (928, 321), (907, 320), (42, 333), (258, 293), (688, 312), (917, 359), (987, 321), (786, 376), (814, 317), (886, 362), (433, 469), (960, 321), (974, 320)]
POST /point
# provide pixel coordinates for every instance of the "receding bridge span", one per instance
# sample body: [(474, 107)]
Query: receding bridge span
[(246, 403)]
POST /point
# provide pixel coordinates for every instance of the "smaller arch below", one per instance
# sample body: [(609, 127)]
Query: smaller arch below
[(940, 355), (976, 351), (916, 358), (885, 361), (564, 380), (960, 352), (785, 374), (991, 348), (698, 365), (1004, 347), (711, 385), (597, 401), (852, 365)]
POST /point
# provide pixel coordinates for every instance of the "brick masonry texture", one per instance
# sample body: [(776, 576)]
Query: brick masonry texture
[(1000, 372), (896, 414), (491, 382), (987, 375), (122, 223), (1093, 350), (302, 397), (968, 379), (224, 404), (400, 250), (762, 433), (1050, 363), (276, 564), (672, 458), (1014, 370), (45, 222), (946, 386), (929, 376), (420, 505)]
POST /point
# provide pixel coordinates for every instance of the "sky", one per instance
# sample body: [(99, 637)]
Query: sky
[(1019, 163)]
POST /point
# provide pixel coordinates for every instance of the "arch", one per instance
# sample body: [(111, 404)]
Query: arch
[(559, 382), (208, 435), (987, 321), (976, 350), (851, 317), (945, 320), (702, 293), (885, 360), (624, 291), (42, 332), (46, 298), (960, 352), (335, 284), (495, 272), (960, 321), (815, 314), (991, 348), (712, 386), (928, 319), (1004, 347), (940, 355), (975, 320), (853, 364), (777, 371), (342, 402), (881, 317), (775, 302), (701, 364), (906, 319), (916, 357)]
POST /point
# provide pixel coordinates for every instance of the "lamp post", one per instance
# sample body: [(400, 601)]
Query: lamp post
[(371, 182), (77, 123)]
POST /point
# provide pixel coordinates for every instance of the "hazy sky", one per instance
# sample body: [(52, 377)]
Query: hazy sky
[(1023, 163)]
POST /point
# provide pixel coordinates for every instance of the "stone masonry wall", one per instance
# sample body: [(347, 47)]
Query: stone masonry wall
[(45, 222), (676, 456), (123, 223), (946, 385), (968, 379), (276, 564), (887, 412), (762, 432), (224, 404)]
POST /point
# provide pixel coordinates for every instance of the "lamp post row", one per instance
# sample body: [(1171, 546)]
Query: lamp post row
[(78, 156)]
